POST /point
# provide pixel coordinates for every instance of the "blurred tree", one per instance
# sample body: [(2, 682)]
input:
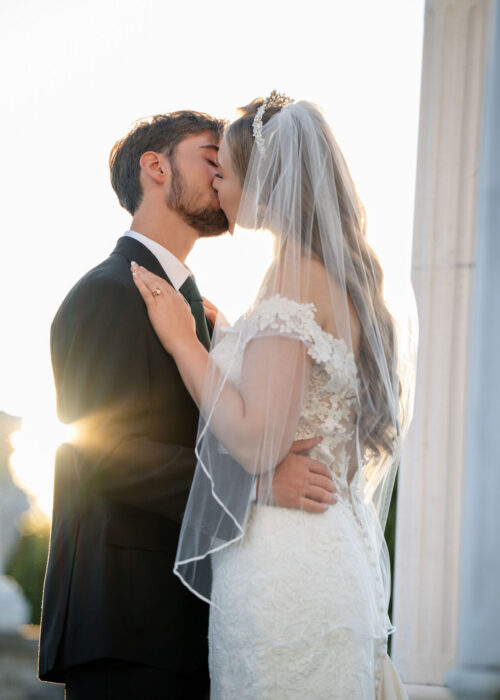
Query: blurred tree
[(27, 562), (390, 538)]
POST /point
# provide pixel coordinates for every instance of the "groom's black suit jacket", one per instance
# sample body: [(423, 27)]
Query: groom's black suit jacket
[(121, 487)]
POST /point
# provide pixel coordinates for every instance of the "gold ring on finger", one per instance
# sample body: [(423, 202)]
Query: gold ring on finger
[(156, 292)]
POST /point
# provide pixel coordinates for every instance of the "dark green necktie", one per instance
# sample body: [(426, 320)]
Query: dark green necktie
[(191, 294)]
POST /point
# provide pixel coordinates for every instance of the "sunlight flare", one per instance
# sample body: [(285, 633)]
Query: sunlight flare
[(32, 461)]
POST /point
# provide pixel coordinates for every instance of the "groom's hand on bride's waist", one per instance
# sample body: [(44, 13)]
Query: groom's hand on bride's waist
[(300, 482)]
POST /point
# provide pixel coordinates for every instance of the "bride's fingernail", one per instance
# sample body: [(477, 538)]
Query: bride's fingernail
[(133, 265)]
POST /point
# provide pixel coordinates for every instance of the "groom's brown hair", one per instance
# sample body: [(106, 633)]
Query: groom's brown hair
[(160, 133)]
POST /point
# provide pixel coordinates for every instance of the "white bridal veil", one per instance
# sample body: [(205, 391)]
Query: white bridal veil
[(299, 189)]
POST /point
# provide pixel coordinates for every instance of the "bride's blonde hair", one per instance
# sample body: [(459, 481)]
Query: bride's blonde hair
[(364, 278)]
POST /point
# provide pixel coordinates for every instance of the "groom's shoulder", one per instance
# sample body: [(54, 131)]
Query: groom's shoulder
[(110, 280), (112, 271)]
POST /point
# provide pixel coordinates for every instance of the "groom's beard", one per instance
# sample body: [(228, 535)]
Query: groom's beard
[(207, 221)]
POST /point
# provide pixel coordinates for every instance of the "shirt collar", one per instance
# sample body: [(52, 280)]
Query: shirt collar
[(175, 270)]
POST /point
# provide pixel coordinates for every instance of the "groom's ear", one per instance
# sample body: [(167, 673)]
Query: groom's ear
[(155, 166)]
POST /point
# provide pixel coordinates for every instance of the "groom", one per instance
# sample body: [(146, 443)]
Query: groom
[(116, 622)]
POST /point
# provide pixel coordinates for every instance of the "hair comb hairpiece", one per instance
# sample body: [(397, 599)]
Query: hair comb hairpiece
[(275, 99)]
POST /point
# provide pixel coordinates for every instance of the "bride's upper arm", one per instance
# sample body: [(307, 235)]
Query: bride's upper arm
[(274, 378)]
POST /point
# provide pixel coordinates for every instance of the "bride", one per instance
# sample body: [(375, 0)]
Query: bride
[(298, 600)]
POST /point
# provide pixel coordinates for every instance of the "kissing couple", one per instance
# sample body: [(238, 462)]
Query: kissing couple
[(218, 518)]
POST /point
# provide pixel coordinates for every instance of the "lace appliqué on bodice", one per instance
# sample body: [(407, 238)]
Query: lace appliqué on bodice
[(329, 407)]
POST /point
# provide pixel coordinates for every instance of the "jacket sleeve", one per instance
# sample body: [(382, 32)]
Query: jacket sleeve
[(100, 360)]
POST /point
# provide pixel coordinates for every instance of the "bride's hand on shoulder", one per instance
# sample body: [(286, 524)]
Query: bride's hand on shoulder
[(168, 311)]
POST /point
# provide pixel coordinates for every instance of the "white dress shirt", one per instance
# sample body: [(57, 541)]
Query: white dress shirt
[(175, 270)]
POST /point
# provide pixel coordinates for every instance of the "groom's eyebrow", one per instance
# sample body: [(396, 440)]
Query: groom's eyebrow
[(212, 146)]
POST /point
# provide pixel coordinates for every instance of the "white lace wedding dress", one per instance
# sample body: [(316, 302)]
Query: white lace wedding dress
[(309, 621)]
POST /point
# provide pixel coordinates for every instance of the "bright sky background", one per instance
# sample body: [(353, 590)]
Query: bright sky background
[(75, 74)]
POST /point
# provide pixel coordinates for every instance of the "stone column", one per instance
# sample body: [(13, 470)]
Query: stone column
[(477, 674), (428, 549)]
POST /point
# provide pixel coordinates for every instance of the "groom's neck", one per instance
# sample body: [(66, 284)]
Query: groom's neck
[(167, 229)]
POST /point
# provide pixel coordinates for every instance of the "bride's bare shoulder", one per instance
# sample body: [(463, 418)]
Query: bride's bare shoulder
[(302, 274), (307, 280), (329, 297)]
